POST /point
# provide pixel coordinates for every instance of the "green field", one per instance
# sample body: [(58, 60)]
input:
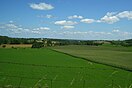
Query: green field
[(112, 55), (38, 68)]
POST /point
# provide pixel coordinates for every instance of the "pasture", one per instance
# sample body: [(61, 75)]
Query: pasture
[(46, 68)]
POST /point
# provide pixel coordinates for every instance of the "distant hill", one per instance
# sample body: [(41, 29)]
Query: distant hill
[(60, 42), (9, 40)]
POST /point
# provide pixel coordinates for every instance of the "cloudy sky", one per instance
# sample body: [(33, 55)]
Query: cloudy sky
[(67, 19)]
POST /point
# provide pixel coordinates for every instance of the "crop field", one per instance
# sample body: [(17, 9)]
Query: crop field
[(112, 55), (46, 68), (17, 45)]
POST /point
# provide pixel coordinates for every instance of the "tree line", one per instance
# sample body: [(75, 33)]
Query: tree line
[(125, 43), (44, 42)]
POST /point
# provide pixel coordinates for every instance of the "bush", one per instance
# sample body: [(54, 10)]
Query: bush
[(37, 45), (13, 47), (3, 46)]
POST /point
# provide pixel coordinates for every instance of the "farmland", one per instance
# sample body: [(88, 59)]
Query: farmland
[(17, 45), (112, 55), (38, 68)]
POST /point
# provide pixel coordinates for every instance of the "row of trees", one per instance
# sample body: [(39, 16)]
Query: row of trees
[(46, 42), (8, 40), (66, 42), (38, 42), (125, 43)]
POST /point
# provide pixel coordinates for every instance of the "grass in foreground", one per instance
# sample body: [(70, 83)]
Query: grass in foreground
[(44, 67)]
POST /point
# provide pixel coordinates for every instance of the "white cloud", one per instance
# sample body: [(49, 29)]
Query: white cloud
[(98, 21), (110, 13), (26, 30), (41, 6), (46, 16), (87, 20), (67, 27), (115, 31), (44, 28), (10, 21), (75, 16), (41, 28), (17, 31), (49, 16), (125, 14), (11, 26), (109, 19), (88, 35), (66, 23), (112, 17), (36, 32)]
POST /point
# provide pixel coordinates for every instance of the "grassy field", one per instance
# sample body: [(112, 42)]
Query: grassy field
[(31, 68), (113, 55)]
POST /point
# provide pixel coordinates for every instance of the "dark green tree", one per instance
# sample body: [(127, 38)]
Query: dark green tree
[(3, 46), (37, 45)]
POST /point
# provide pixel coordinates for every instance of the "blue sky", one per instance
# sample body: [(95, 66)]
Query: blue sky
[(67, 19)]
